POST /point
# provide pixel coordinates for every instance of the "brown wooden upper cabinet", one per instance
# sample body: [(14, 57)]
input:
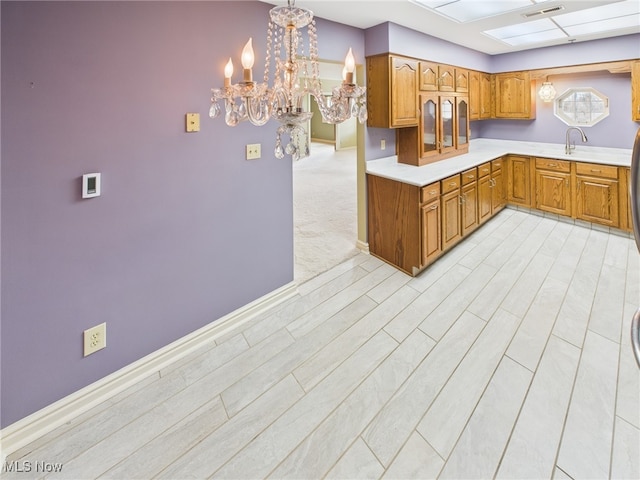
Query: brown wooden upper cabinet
[(479, 95), (462, 80), (443, 130), (437, 132), (514, 96), (635, 91), (392, 91), (436, 77)]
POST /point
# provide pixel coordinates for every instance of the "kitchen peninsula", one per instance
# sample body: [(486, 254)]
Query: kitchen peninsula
[(417, 213)]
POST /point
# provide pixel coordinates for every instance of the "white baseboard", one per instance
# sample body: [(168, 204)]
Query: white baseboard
[(28, 429), (362, 246)]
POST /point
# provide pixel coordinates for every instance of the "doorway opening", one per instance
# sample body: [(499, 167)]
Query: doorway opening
[(325, 191)]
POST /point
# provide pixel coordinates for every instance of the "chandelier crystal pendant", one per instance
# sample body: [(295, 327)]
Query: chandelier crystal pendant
[(296, 75)]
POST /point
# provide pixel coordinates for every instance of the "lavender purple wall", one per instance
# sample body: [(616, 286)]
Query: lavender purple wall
[(185, 231), (605, 50)]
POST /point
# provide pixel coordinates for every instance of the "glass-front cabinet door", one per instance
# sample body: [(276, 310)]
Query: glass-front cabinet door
[(447, 118), (444, 125), (429, 126), (462, 122)]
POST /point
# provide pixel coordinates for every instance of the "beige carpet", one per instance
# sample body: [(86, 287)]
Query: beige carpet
[(324, 210)]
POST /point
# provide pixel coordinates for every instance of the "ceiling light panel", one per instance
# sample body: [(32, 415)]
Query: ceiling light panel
[(630, 21), (518, 29), (537, 37), (433, 3), (612, 10), (470, 10)]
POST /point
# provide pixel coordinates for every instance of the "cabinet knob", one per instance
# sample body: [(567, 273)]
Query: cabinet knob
[(552, 165), (596, 170), (452, 184), (471, 177), (434, 206), (433, 192)]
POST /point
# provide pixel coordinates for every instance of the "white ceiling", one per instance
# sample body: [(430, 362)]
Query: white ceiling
[(471, 23)]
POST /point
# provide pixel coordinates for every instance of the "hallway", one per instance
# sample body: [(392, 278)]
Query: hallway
[(324, 206)]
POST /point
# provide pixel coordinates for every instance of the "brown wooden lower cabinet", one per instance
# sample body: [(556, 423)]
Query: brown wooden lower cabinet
[(597, 200), (431, 231), (553, 186), (498, 190), (519, 180), (394, 222), (469, 208), (451, 201), (597, 193), (584, 191), (451, 231), (485, 193), (626, 222), (411, 226)]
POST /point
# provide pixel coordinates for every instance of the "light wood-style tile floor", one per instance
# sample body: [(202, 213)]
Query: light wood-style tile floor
[(508, 358)]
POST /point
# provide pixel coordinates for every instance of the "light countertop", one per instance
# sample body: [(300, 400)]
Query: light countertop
[(482, 150)]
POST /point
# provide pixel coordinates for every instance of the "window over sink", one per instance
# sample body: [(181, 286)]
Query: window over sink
[(581, 107)]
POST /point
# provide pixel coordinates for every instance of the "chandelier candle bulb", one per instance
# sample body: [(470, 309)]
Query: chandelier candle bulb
[(349, 66), (228, 72), (247, 61)]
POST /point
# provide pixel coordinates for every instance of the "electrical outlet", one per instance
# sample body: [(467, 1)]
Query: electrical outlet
[(95, 339), (383, 144), (253, 151)]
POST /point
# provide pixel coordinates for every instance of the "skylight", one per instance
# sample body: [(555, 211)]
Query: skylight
[(538, 25), (606, 18), (471, 10)]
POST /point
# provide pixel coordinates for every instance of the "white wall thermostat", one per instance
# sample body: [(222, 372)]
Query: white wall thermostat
[(90, 185)]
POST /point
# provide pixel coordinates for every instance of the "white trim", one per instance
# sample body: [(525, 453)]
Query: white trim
[(32, 427), (362, 246)]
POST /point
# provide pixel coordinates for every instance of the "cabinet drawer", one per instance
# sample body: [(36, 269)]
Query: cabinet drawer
[(496, 165), (596, 170), (551, 164), (450, 184), (484, 169), (429, 192), (469, 176)]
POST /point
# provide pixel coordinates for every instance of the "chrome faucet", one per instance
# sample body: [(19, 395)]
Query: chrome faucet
[(567, 146)]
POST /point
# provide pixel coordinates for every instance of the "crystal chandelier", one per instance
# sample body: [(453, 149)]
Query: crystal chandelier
[(296, 75)]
